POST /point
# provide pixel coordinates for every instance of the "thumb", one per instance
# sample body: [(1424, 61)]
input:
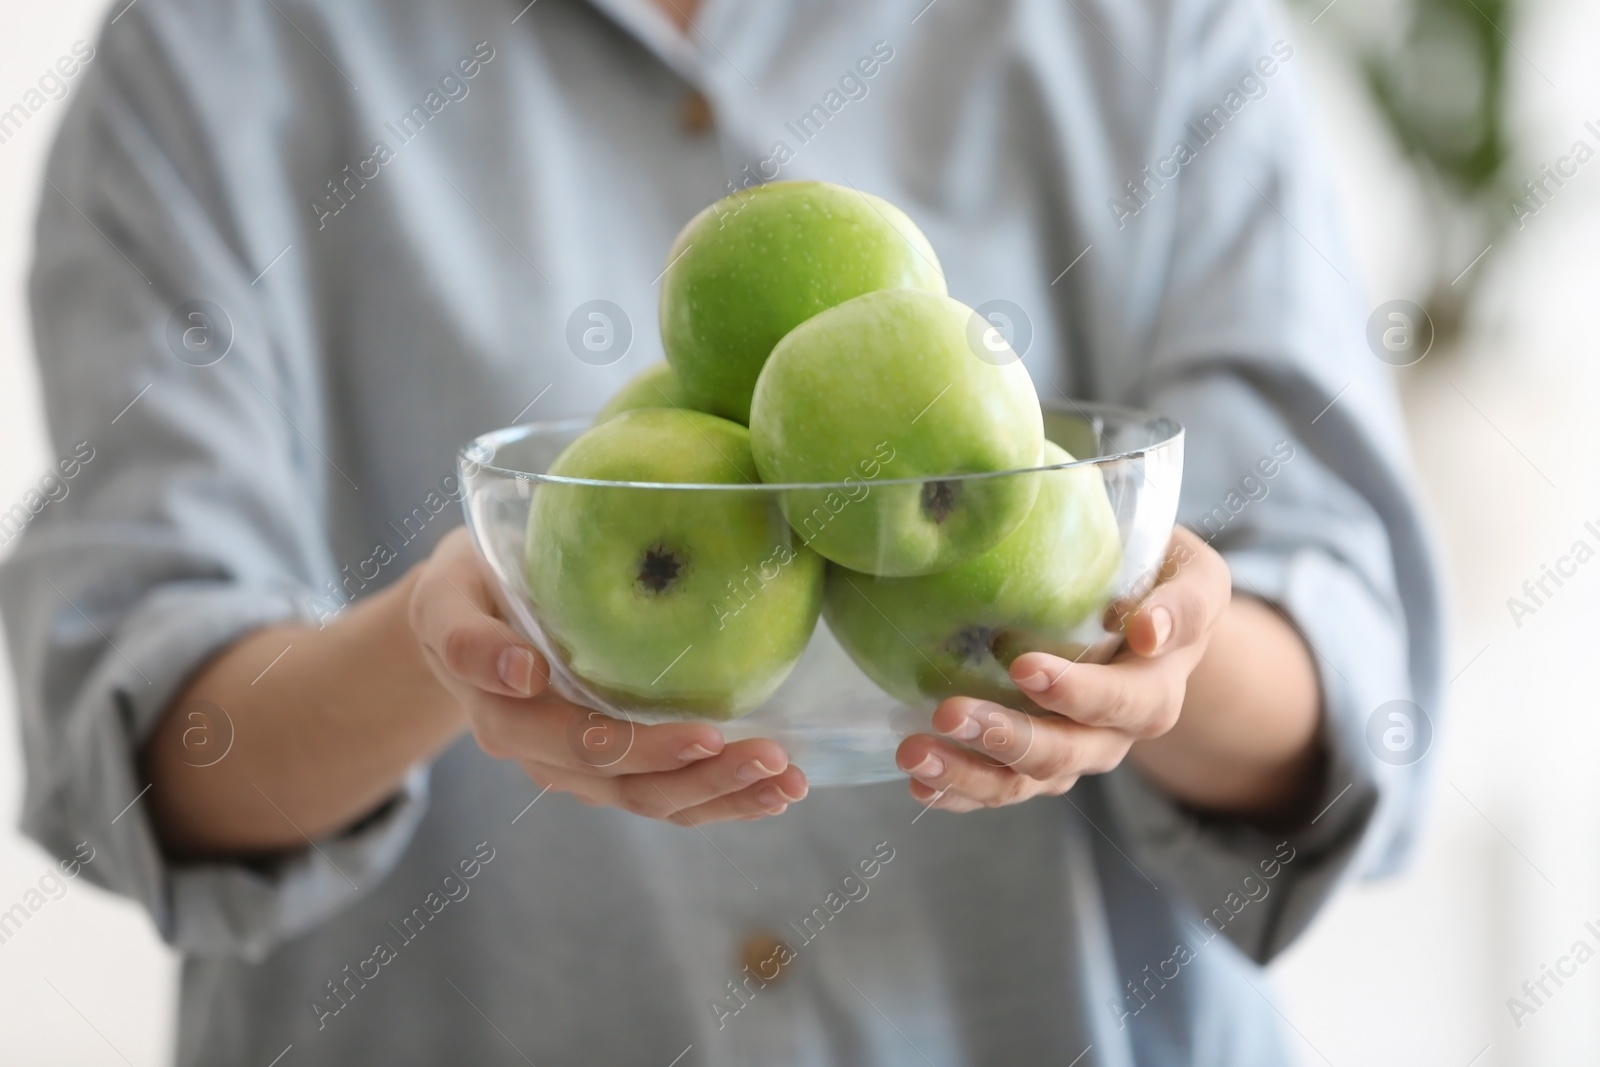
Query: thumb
[(455, 619)]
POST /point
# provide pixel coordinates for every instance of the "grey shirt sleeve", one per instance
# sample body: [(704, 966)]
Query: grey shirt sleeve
[(1295, 470), (201, 512)]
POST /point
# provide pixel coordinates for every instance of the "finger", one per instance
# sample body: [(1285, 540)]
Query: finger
[(453, 617), (1044, 749), (758, 801), (1005, 736), (1139, 696), (944, 766), (558, 733), (744, 764), (747, 778), (942, 799), (1193, 592)]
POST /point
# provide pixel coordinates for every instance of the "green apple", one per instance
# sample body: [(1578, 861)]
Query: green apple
[(654, 387), (956, 632), (887, 386), (754, 265), (695, 600)]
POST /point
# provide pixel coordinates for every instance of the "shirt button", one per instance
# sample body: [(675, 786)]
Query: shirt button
[(767, 955), (695, 113)]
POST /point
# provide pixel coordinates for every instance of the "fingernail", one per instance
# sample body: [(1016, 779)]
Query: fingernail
[(1161, 623), (965, 730), (516, 670), (772, 797), (695, 752), (754, 771), (931, 767), (1037, 682)]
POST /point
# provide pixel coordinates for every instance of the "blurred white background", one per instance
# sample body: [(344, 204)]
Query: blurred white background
[(1415, 970)]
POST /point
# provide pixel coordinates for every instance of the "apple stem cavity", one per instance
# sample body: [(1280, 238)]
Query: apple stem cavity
[(659, 569), (939, 499)]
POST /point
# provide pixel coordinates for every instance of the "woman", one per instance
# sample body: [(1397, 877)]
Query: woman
[(292, 256)]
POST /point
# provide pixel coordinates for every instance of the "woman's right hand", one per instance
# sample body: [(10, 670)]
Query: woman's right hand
[(684, 773)]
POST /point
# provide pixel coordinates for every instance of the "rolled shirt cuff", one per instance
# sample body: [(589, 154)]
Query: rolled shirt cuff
[(96, 793), (1365, 801)]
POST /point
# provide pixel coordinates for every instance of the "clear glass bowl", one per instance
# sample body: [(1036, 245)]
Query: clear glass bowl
[(736, 646)]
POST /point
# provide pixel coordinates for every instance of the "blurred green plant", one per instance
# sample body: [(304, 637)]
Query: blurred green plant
[(1436, 72)]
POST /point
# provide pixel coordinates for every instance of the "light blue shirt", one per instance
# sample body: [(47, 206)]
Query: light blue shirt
[(398, 207)]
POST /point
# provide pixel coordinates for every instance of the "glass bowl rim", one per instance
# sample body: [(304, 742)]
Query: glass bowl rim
[(1171, 430)]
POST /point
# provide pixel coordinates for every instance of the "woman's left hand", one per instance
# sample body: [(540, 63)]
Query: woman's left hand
[(988, 755)]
